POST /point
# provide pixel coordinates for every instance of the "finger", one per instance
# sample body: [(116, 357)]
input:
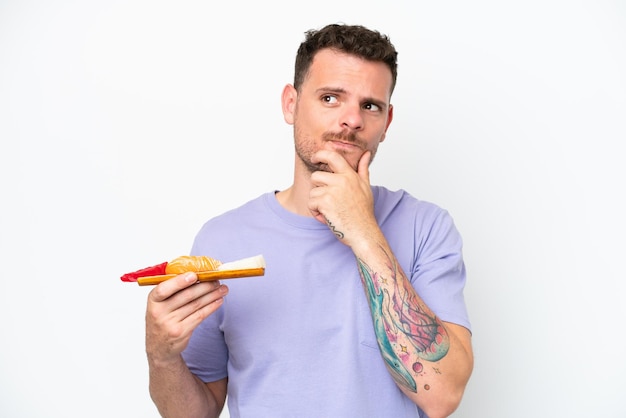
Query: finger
[(321, 178), (315, 197), (195, 297), (188, 305), (207, 302), (335, 161), (166, 289)]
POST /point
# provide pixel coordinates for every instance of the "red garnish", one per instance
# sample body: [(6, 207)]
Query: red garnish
[(157, 270)]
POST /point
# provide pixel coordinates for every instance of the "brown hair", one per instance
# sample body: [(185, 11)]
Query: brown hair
[(351, 39)]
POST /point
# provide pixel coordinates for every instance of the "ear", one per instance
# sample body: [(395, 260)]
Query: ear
[(288, 100), (389, 119)]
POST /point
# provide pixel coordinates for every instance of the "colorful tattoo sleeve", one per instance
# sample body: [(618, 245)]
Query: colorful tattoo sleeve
[(406, 331)]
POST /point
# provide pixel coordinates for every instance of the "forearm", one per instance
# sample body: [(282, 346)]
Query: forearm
[(430, 360), (175, 308), (178, 393)]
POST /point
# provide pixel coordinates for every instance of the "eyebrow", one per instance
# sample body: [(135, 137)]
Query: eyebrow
[(330, 90)]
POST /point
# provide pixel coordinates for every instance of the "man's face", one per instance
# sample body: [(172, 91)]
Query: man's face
[(343, 105)]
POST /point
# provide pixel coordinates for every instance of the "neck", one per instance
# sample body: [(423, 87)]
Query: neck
[(296, 198)]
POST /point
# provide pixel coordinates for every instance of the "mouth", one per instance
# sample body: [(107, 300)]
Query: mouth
[(344, 142), (343, 146)]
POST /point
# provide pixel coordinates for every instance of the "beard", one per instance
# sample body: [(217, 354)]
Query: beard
[(305, 148)]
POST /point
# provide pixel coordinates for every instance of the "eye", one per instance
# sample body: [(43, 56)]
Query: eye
[(329, 99), (372, 106)]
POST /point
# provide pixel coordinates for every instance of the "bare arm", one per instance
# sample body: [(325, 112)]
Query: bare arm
[(430, 360), (175, 308)]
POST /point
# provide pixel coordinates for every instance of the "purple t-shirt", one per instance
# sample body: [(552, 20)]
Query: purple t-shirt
[(299, 341)]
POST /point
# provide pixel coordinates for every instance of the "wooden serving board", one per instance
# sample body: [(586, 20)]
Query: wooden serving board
[(205, 276)]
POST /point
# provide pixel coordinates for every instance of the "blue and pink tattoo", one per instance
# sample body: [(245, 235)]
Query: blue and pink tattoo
[(406, 331)]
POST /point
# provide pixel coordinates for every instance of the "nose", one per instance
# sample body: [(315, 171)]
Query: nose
[(352, 118)]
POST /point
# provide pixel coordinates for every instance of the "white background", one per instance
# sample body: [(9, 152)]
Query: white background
[(125, 125)]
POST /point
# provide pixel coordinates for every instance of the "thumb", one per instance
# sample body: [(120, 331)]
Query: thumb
[(363, 167)]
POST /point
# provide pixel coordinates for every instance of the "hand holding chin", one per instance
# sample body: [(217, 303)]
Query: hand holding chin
[(342, 198)]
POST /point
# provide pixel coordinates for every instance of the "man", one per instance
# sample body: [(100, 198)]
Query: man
[(361, 310)]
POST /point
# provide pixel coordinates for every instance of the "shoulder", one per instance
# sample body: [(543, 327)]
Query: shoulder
[(241, 211), (430, 225), (220, 234), (402, 203)]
